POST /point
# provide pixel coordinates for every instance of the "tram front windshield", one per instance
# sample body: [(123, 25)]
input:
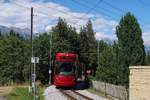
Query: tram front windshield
[(65, 68)]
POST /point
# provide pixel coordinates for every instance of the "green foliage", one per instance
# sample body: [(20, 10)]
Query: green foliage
[(64, 38), (130, 44), (15, 52), (0, 34), (115, 59), (41, 49), (14, 59), (147, 58), (20, 94), (130, 40), (105, 72), (111, 65), (40, 91), (87, 48)]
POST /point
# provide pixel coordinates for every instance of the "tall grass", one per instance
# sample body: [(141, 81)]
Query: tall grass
[(19, 93), (22, 93)]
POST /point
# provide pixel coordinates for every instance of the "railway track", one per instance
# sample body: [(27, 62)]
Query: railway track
[(73, 95)]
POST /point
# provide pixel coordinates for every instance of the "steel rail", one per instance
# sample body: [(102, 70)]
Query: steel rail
[(69, 96), (74, 95), (87, 98)]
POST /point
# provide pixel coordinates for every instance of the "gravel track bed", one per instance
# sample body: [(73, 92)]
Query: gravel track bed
[(91, 95), (51, 93)]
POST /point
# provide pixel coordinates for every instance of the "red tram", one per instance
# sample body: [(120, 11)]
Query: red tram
[(65, 69)]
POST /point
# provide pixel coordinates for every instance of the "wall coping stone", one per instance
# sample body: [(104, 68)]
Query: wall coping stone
[(139, 67)]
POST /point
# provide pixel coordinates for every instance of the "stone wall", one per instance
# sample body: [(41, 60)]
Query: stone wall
[(139, 83), (110, 89)]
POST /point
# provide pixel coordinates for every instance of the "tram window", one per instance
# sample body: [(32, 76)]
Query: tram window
[(66, 68)]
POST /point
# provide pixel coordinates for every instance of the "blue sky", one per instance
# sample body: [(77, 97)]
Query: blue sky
[(105, 14), (138, 7)]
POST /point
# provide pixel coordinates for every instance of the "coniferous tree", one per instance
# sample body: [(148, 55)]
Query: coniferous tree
[(0, 33), (147, 58), (12, 33), (130, 40), (41, 50), (64, 39), (105, 70), (131, 48), (92, 46), (88, 47), (118, 66), (111, 65), (14, 59)]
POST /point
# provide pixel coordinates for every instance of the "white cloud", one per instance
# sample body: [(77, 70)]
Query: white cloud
[(112, 37), (103, 24), (146, 38), (48, 28), (17, 13), (104, 36)]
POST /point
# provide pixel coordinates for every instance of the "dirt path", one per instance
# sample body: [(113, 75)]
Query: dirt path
[(4, 91)]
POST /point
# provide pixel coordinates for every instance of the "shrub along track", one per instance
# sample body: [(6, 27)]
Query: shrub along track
[(74, 95)]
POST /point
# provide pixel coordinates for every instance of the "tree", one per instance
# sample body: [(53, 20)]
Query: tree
[(12, 33), (130, 44), (105, 69), (111, 67), (147, 58), (64, 39), (41, 50), (130, 40), (88, 47), (119, 66), (14, 59), (0, 33)]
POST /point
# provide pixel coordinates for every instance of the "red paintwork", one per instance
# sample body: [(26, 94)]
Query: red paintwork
[(64, 81), (59, 80), (65, 57)]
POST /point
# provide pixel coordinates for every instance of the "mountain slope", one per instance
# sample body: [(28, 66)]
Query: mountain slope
[(23, 32)]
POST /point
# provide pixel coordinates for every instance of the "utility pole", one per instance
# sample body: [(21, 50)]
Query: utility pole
[(32, 67), (34, 75), (31, 31), (50, 56), (98, 53), (31, 46)]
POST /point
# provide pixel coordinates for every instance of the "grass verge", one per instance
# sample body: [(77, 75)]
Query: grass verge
[(22, 93), (19, 93)]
